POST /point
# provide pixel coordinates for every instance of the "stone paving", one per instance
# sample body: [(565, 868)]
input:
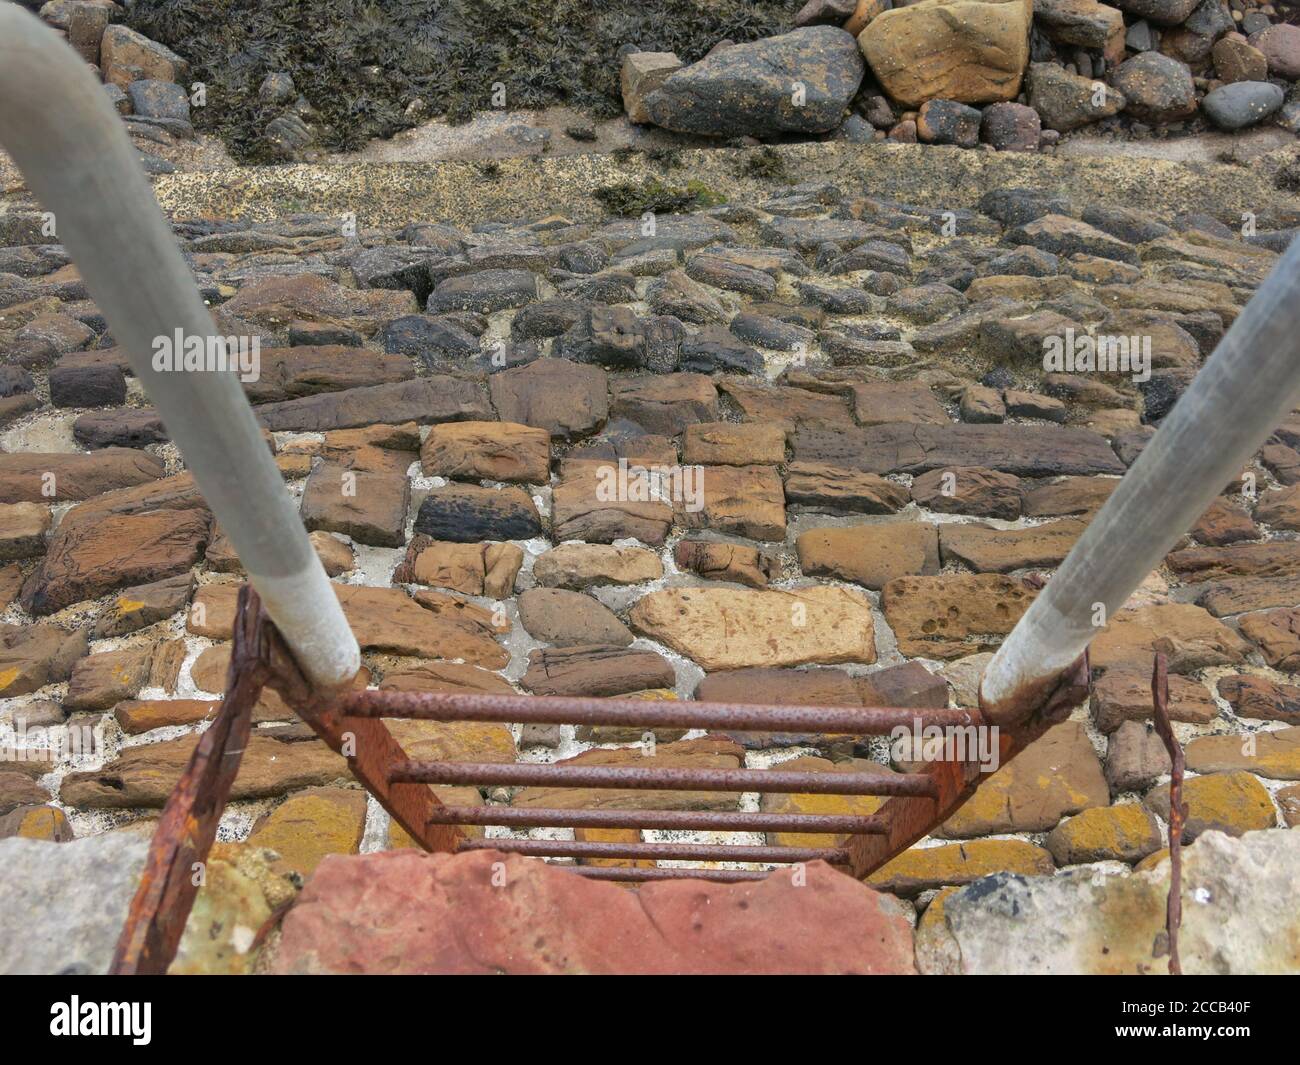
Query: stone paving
[(865, 464)]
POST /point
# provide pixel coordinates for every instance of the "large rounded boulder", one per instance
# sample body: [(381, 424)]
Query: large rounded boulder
[(972, 51), (798, 82), (1156, 88)]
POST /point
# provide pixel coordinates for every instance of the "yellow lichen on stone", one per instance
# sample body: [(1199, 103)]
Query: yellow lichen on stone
[(921, 868), (1230, 802), (311, 824), (1124, 833), (38, 822)]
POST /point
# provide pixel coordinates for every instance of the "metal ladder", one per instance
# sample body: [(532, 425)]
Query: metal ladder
[(291, 634)]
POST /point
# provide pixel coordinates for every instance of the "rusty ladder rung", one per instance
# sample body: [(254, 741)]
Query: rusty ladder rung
[(646, 779), (706, 852), (683, 820), (635, 874), (639, 713)]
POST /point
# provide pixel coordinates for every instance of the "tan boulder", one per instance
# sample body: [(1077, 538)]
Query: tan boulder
[(865, 11), (387, 619), (1275, 755), (966, 50), (135, 716), (311, 824), (24, 526), (1124, 694), (726, 562), (444, 677), (1111, 833), (821, 487), (146, 775), (733, 444), (583, 507), (1226, 802), (127, 56), (642, 73), (991, 550), (37, 822), (923, 868), (595, 671), (744, 500), (100, 681)]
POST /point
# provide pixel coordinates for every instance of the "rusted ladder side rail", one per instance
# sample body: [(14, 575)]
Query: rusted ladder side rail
[(188, 826), (909, 819), (371, 752), (185, 833)]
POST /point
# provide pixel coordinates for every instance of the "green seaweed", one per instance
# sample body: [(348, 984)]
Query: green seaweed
[(360, 63), (668, 156), (636, 198), (765, 163)]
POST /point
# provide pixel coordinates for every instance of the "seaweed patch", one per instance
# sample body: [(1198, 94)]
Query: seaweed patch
[(368, 69), (632, 198)]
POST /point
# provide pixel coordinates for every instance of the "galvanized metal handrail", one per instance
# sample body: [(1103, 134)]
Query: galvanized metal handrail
[(57, 122), (1241, 394)]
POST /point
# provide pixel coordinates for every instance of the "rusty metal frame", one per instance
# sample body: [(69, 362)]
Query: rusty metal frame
[(352, 724)]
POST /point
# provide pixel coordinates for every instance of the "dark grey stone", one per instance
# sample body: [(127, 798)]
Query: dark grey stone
[(90, 385), (159, 99), (750, 89), (486, 291), (1242, 103)]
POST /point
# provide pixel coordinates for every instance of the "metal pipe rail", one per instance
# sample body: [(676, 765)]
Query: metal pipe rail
[(1249, 385), (58, 124)]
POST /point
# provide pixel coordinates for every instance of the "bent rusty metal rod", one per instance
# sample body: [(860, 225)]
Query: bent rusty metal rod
[(1245, 389), (1177, 809), (57, 122)]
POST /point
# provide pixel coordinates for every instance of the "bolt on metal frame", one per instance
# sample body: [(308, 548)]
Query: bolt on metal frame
[(291, 634)]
